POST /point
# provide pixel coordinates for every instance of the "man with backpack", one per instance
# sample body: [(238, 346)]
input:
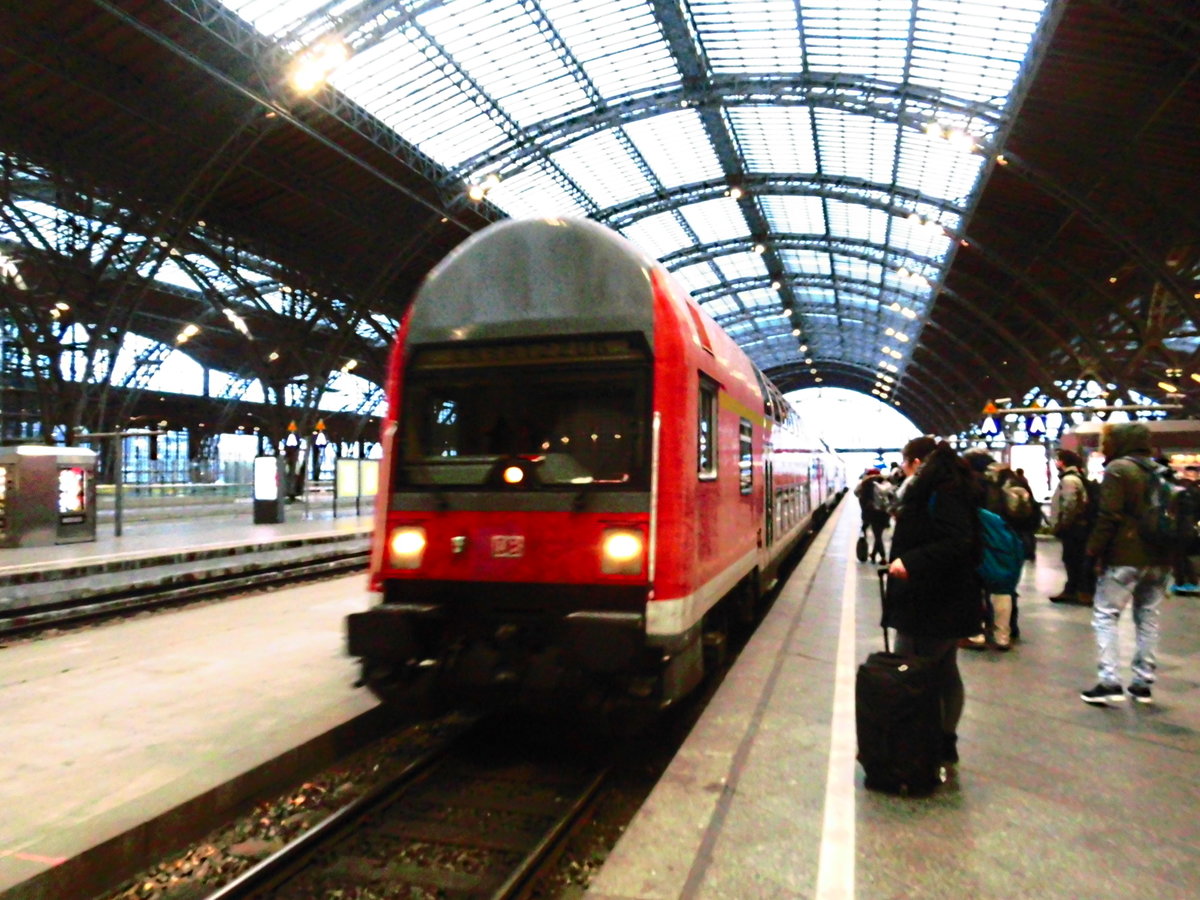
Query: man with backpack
[(1072, 514), (1133, 559), (876, 498)]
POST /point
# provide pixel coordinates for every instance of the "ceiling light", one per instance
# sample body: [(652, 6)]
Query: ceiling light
[(1168, 387), (476, 192), (760, 249), (313, 66), (735, 193), (1195, 376), (901, 337), (796, 333)]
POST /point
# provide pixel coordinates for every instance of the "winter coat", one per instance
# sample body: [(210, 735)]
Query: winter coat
[(1115, 540), (1068, 506), (937, 538)]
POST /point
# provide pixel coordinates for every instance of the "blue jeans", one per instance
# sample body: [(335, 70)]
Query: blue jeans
[(1145, 586)]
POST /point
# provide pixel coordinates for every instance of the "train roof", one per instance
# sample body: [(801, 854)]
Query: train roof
[(500, 284)]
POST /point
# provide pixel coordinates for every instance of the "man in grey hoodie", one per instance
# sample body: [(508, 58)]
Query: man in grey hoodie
[(1132, 569)]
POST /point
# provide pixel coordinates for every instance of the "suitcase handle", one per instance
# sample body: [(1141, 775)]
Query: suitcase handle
[(882, 573)]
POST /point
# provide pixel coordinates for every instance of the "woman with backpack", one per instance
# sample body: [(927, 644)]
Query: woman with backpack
[(933, 589)]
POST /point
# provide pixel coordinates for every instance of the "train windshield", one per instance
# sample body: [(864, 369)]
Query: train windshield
[(583, 425)]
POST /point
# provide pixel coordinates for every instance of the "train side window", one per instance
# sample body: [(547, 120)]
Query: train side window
[(745, 457), (706, 430)]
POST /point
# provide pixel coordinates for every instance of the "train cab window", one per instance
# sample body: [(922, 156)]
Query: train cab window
[(578, 425), (745, 456), (706, 430)]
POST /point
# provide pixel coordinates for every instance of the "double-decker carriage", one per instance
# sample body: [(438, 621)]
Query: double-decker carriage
[(583, 477)]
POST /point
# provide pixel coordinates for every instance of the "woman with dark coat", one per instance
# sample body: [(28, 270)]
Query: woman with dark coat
[(934, 594)]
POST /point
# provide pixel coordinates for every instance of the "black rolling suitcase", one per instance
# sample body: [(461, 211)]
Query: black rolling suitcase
[(899, 721)]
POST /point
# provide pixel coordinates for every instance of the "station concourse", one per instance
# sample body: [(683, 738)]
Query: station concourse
[(763, 800)]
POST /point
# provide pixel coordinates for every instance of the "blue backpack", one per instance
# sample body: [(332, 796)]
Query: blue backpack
[(1003, 554)]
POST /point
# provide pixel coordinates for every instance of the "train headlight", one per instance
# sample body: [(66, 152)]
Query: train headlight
[(621, 551), (407, 546)]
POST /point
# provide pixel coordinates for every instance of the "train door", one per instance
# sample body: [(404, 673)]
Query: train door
[(769, 497)]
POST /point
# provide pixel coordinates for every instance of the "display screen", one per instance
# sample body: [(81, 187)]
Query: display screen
[(72, 494), (266, 478)]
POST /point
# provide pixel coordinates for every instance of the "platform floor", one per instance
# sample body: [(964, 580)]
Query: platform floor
[(1052, 799), (113, 736), (145, 540)]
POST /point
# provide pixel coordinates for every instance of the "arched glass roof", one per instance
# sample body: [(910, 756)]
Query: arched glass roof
[(805, 167)]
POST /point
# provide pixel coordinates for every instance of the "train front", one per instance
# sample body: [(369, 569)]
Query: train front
[(513, 545)]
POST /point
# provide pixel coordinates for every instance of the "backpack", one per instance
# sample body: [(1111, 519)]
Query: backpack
[(885, 497), (1018, 505), (1003, 554), (1169, 511)]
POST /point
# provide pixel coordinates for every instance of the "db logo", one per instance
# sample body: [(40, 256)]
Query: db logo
[(508, 546)]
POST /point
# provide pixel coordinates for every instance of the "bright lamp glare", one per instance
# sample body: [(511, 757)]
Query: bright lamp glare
[(623, 546), (514, 475), (407, 546)]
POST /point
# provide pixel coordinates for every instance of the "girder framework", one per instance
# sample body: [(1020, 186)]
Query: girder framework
[(806, 195)]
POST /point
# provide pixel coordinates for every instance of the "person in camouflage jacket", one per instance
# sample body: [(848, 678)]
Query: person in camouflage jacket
[(1132, 571)]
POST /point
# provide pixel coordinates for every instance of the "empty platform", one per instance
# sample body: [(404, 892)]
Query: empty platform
[(1052, 798)]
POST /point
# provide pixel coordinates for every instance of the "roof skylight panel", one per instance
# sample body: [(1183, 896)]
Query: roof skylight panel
[(424, 105), (856, 145), (617, 43), (857, 269), (697, 277), (741, 265), (660, 236), (805, 262), (857, 36), (762, 300), (721, 306), (603, 169), (271, 16), (815, 299), (853, 220), (531, 85), (794, 215), (749, 35), (715, 221), (676, 147), (774, 139), (536, 192)]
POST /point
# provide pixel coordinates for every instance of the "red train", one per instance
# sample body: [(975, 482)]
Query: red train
[(585, 481)]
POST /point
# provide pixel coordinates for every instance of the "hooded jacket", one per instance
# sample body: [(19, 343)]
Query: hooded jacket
[(1115, 540), (937, 537)]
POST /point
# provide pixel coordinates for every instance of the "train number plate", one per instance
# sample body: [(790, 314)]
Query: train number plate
[(508, 546)]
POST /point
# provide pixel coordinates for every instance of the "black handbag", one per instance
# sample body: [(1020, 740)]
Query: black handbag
[(860, 549)]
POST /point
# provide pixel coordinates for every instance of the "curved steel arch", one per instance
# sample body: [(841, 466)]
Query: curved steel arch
[(875, 253), (909, 105), (929, 411), (845, 188)]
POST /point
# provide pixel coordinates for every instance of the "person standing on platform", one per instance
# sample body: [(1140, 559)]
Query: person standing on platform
[(1133, 570), (874, 493), (994, 478), (1185, 567), (933, 589), (1071, 522)]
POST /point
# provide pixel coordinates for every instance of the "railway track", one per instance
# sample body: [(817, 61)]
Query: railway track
[(174, 590), (479, 818)]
